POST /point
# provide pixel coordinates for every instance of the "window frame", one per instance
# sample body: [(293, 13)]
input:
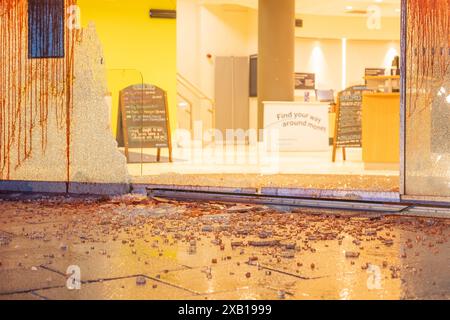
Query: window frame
[(43, 41)]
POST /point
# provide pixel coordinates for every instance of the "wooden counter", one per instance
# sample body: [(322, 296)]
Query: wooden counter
[(381, 128)]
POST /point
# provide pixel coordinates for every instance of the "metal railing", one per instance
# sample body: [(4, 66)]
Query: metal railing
[(199, 94)]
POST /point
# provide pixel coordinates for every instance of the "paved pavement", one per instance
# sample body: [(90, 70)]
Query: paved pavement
[(131, 247)]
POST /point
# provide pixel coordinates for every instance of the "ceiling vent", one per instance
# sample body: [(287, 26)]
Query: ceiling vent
[(356, 11), (163, 14)]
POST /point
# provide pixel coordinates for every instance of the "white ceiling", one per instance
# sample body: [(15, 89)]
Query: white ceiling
[(389, 8)]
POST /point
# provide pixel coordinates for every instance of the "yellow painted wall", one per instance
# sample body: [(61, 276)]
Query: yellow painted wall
[(144, 47)]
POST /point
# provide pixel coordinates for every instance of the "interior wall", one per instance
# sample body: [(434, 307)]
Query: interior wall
[(363, 54), (222, 30), (233, 31), (350, 27), (188, 40), (132, 40), (324, 58)]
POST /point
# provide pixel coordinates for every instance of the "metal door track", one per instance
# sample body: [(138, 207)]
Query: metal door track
[(398, 209), (194, 195)]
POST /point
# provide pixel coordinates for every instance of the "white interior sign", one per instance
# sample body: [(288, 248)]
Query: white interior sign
[(301, 126)]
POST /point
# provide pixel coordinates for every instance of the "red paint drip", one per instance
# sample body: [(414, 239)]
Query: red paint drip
[(428, 47), (31, 88)]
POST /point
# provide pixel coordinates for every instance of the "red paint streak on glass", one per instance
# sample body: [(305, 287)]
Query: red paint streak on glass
[(31, 89), (427, 51)]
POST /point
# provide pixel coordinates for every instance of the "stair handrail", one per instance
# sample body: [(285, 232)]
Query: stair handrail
[(194, 89), (199, 94)]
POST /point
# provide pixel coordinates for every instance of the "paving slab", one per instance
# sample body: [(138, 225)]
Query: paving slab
[(21, 296), (26, 280), (121, 289)]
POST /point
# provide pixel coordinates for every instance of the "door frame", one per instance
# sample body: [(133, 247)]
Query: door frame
[(403, 64)]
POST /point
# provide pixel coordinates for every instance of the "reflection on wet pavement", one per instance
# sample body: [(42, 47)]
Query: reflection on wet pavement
[(131, 247)]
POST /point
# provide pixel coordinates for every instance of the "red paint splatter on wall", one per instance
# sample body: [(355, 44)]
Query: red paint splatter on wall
[(31, 89)]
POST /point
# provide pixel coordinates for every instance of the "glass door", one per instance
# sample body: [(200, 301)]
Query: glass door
[(426, 99)]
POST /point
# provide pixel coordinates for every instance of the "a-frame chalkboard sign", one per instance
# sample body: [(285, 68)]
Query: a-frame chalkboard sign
[(348, 130), (144, 119)]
